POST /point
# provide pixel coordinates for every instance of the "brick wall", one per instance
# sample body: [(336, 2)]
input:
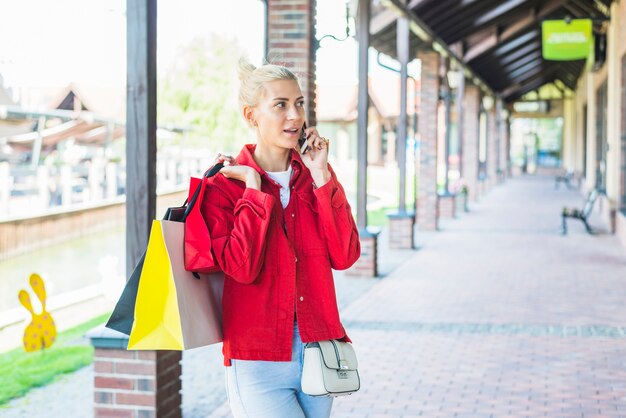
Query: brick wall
[(137, 384), (470, 139), (427, 167), (290, 37)]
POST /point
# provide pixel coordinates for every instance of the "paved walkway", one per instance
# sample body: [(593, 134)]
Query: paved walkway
[(497, 316)]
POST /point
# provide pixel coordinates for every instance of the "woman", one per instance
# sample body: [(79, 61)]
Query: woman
[(279, 222)]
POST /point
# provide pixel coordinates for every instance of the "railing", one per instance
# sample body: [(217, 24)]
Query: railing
[(28, 192)]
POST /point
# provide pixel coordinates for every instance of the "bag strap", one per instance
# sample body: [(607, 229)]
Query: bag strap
[(209, 173), (341, 358)]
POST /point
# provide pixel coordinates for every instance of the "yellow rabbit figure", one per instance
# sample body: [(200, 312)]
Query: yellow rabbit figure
[(41, 332)]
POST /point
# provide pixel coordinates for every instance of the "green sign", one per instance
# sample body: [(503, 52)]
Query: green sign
[(566, 41)]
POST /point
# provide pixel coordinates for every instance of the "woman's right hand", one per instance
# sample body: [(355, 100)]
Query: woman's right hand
[(234, 171)]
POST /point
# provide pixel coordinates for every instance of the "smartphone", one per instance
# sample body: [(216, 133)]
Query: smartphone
[(303, 143)]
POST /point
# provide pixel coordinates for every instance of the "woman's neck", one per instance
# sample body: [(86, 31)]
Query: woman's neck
[(272, 159)]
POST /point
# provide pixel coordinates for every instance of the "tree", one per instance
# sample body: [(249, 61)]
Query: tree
[(200, 91)]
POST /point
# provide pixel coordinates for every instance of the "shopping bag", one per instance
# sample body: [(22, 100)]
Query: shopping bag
[(173, 309), (198, 255), (123, 315)]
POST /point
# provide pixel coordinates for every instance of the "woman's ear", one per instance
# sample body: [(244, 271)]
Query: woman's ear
[(248, 114)]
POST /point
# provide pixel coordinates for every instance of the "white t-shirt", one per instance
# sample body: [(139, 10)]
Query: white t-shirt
[(282, 178)]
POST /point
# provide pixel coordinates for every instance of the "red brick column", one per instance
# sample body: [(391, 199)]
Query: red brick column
[(401, 230), (446, 206), (134, 384), (367, 264), (427, 167), (290, 38), (470, 140)]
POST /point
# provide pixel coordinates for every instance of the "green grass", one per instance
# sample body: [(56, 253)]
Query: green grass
[(378, 217), (21, 371)]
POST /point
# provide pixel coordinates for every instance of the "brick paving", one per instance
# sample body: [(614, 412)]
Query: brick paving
[(498, 315)]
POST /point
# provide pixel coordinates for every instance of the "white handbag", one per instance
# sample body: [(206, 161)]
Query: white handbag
[(330, 369)]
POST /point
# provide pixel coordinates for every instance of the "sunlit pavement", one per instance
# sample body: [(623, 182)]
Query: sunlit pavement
[(497, 315)]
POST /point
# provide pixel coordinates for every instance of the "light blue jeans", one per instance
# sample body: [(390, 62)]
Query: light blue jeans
[(271, 389)]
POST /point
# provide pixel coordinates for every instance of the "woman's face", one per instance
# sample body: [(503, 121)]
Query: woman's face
[(279, 115)]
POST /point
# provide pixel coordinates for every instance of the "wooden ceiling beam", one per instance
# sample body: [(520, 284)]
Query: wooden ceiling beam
[(522, 61), (528, 87), (521, 24)]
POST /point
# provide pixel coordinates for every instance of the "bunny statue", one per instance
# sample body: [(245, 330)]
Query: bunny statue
[(41, 332)]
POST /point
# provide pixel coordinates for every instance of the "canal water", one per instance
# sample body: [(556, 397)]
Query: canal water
[(96, 259)]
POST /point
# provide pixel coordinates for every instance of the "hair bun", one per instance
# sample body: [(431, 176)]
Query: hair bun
[(245, 69)]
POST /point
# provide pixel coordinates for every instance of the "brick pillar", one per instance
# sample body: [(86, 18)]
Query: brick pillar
[(134, 384), (470, 140), (446, 206), (291, 42), (367, 264), (427, 167), (401, 230), (492, 138)]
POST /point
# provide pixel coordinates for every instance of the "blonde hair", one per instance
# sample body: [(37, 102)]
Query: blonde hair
[(252, 79)]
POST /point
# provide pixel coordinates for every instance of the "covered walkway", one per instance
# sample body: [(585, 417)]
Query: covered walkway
[(497, 316)]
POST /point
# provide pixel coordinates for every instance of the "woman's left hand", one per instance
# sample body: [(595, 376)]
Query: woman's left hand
[(316, 159)]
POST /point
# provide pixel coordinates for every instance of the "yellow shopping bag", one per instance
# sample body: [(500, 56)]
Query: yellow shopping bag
[(174, 310)]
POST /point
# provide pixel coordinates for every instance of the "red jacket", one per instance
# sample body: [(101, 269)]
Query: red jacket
[(278, 262)]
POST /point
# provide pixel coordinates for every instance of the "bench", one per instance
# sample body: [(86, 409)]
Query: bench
[(580, 214), (567, 178)]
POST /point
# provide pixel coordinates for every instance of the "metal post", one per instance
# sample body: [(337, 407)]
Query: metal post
[(403, 56), (141, 17), (460, 98), (498, 138), (416, 93), (38, 143), (447, 95), (362, 119)]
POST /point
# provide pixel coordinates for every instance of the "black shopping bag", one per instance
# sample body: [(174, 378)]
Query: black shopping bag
[(123, 315)]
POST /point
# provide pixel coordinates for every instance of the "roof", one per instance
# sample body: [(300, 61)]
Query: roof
[(84, 132), (105, 101), (499, 40)]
